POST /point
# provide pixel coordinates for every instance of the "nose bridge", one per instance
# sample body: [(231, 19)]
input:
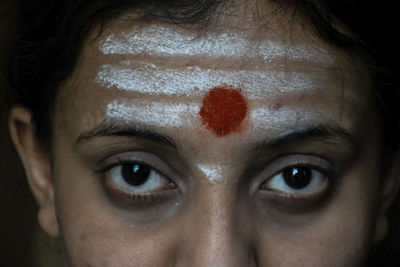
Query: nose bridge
[(215, 237)]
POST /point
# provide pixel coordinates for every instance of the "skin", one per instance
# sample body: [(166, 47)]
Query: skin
[(223, 209)]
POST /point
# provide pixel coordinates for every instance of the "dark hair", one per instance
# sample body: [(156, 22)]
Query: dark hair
[(50, 34)]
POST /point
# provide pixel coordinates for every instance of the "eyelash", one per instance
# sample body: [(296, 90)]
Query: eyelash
[(129, 198), (299, 200), (170, 189)]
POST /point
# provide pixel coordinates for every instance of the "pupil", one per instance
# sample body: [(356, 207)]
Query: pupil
[(297, 178), (135, 174)]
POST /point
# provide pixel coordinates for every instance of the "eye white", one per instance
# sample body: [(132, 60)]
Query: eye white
[(278, 183), (154, 182)]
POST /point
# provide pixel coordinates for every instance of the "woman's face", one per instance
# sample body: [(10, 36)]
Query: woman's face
[(237, 145)]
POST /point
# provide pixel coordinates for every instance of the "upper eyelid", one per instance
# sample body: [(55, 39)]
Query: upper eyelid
[(311, 166), (279, 164), (132, 156), (325, 172), (289, 160), (162, 166), (121, 162)]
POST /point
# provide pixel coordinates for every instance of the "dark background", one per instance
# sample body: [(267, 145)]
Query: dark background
[(17, 206), (21, 242)]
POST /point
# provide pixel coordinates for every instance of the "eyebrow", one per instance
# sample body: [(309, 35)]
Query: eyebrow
[(322, 132), (112, 129), (319, 132)]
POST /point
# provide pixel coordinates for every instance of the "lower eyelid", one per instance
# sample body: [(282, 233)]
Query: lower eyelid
[(294, 203), (128, 198), (289, 203)]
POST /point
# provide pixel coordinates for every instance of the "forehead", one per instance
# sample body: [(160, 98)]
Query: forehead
[(275, 65), (221, 53), (173, 61)]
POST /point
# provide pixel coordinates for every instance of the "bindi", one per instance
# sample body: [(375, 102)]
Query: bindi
[(223, 110)]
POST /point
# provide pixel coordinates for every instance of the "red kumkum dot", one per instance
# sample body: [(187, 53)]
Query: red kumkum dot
[(223, 110)]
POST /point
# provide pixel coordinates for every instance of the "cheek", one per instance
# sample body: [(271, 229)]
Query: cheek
[(102, 246), (93, 233), (340, 241), (337, 235)]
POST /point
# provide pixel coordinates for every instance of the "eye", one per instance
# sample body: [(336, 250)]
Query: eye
[(138, 178), (297, 181), (133, 182)]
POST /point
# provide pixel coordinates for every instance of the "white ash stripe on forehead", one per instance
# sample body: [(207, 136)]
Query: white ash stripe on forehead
[(156, 40), (260, 118), (151, 113), (155, 80), (174, 115)]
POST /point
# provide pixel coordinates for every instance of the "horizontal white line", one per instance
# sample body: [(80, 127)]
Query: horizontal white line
[(194, 81), (157, 40), (151, 113), (165, 115), (262, 118)]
